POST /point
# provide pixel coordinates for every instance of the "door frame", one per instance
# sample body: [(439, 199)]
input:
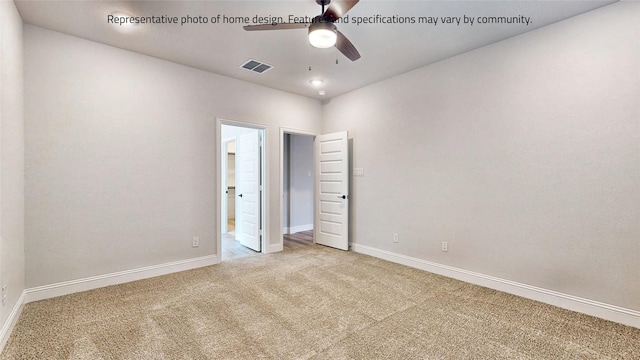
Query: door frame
[(219, 182), (223, 178), (283, 131)]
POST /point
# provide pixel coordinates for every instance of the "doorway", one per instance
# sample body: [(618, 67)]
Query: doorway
[(330, 200), (242, 179), (298, 184)]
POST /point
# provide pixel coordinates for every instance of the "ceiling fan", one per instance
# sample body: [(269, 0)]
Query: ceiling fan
[(322, 30)]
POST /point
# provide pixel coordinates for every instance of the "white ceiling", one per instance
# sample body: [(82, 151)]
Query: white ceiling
[(386, 49)]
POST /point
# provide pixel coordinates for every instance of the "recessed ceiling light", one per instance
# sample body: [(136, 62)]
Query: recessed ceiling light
[(316, 82), (322, 92)]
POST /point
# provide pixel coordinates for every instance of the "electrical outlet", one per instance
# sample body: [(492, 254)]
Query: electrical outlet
[(195, 242), (445, 246), (395, 238)]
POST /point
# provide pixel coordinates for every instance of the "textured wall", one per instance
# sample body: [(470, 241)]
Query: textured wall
[(524, 155), (12, 156), (120, 155)]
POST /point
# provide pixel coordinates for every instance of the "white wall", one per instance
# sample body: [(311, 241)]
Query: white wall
[(523, 155), (121, 155), (11, 159)]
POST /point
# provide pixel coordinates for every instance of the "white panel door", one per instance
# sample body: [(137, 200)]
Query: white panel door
[(248, 190), (332, 190)]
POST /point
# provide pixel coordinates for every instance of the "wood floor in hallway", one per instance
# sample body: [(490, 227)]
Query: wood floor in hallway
[(232, 249)]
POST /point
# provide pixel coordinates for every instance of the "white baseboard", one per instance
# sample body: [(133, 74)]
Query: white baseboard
[(299, 228), (121, 277), (590, 307), (9, 324)]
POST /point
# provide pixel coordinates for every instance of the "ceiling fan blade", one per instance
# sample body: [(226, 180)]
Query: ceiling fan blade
[(337, 9), (346, 47), (276, 26)]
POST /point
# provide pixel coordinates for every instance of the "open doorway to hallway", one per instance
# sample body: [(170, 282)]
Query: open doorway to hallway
[(298, 189)]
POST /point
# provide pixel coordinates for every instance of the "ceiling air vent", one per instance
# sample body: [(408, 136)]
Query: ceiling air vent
[(256, 66)]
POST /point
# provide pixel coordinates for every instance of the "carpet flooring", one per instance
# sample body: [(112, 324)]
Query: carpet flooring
[(309, 302)]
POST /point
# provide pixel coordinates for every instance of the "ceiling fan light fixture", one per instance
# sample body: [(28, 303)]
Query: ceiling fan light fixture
[(316, 82), (322, 35)]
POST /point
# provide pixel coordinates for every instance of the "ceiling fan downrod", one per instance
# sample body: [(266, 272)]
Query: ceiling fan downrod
[(323, 3)]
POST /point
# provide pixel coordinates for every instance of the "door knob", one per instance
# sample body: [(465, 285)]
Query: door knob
[(240, 195), (342, 197)]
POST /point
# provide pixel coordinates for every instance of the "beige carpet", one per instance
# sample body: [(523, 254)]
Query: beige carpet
[(309, 302)]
